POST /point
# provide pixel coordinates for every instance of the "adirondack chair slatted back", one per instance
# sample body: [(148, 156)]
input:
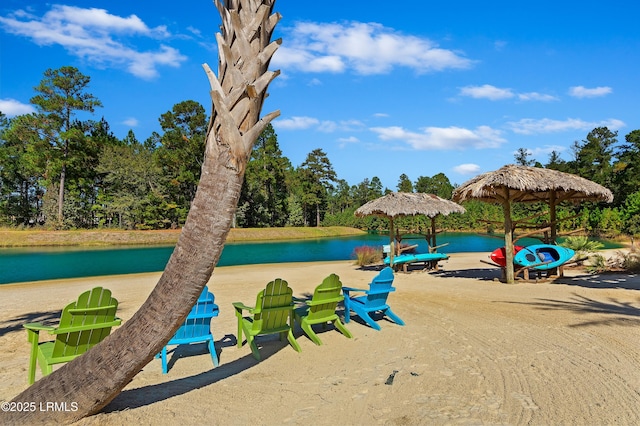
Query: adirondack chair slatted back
[(93, 308), (325, 298), (379, 289), (198, 322), (273, 306)]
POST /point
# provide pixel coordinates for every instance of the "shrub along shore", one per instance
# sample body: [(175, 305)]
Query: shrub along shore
[(108, 237)]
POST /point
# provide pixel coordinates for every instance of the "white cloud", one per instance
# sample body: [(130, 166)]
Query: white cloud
[(365, 48), (499, 45), (97, 36), (486, 91), (467, 169), (584, 92), (131, 122), (287, 57), (325, 126), (530, 126), (347, 141), (381, 115), (328, 126), (194, 31), (443, 138), (295, 123), (350, 139), (493, 93), (11, 107), (535, 96)]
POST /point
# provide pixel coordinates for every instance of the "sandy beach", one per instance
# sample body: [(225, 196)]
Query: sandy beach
[(473, 351)]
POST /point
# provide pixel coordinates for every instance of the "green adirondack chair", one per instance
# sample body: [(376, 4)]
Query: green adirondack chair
[(321, 309), (273, 313), (83, 324)]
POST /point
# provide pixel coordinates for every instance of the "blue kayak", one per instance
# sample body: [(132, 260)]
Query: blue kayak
[(543, 257), (416, 257)]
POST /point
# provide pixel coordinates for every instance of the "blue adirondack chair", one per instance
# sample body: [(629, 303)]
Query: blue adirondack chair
[(374, 300), (196, 328)]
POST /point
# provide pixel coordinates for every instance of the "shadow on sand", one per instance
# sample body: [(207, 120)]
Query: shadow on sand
[(145, 395), (268, 346), (16, 324), (617, 312), (626, 281)]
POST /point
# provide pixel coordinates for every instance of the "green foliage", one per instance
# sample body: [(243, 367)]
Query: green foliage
[(131, 184), (404, 184), (438, 184), (522, 157), (263, 198), (296, 213), (367, 255), (555, 162), (597, 264), (314, 182), (626, 170), (61, 93), (581, 243), (77, 174), (594, 154), (632, 214), (181, 153)]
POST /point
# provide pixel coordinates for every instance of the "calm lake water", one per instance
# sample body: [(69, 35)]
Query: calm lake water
[(35, 264)]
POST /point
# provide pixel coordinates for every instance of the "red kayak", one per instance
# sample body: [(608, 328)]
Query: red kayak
[(498, 255)]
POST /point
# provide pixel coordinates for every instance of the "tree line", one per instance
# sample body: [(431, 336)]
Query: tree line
[(61, 172)]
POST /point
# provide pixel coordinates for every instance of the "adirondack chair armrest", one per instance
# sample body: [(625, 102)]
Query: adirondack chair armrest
[(242, 307), (385, 291), (348, 289), (33, 332), (37, 326)]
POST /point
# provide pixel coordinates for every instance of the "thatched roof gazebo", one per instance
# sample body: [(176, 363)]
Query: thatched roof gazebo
[(398, 204), (523, 184)]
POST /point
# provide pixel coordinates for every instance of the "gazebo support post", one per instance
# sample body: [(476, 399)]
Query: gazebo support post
[(552, 217), (433, 234), (508, 241), (392, 245), (554, 232)]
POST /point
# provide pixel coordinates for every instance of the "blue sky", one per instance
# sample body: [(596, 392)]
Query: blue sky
[(383, 88)]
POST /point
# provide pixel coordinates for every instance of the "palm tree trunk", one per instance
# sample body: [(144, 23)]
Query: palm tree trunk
[(94, 379)]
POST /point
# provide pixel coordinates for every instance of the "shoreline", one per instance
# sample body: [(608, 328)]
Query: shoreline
[(10, 238), (14, 238), (472, 351)]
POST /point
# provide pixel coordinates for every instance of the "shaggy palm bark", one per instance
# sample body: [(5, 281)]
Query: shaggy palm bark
[(94, 379)]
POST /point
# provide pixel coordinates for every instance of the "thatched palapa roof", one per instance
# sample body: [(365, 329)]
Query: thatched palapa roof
[(514, 183), (397, 204), (530, 184)]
